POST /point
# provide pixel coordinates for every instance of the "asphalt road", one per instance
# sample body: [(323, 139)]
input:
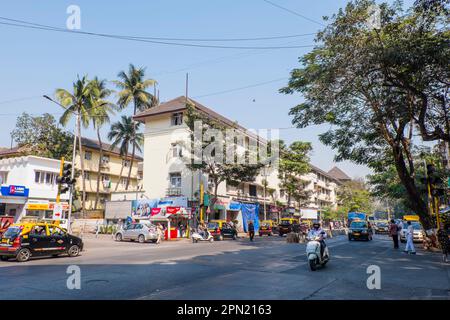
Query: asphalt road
[(269, 268)]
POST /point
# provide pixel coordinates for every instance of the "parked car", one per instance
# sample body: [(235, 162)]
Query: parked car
[(419, 233), (142, 232), (27, 240), (360, 230), (265, 228)]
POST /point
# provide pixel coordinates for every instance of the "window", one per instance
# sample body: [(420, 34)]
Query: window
[(176, 151), (87, 175), (175, 180), (123, 181), (87, 155), (105, 159), (177, 119), (126, 163), (105, 177), (252, 190), (42, 177), (3, 177)]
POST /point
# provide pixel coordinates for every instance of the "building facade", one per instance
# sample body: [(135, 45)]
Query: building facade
[(165, 173), (29, 187), (113, 172)]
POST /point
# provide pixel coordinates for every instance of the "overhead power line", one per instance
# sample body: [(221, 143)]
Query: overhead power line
[(240, 88), (294, 13), (31, 25), (176, 39)]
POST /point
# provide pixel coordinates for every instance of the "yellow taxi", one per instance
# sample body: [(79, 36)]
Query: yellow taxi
[(25, 240)]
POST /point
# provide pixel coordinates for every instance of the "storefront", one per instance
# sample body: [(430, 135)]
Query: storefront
[(13, 199), (43, 209)]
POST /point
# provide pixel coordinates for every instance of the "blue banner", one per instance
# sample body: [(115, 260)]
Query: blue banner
[(15, 191), (235, 206), (250, 212)]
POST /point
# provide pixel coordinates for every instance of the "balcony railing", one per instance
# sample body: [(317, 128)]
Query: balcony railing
[(173, 191)]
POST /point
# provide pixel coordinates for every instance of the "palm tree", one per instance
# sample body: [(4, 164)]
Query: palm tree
[(124, 133), (133, 87), (100, 115), (78, 103)]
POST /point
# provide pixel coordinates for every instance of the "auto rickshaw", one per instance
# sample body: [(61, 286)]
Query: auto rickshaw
[(265, 228), (214, 227), (286, 225)]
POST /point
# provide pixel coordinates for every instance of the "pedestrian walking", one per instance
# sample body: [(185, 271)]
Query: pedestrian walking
[(251, 230), (159, 230), (444, 241), (410, 239), (393, 232)]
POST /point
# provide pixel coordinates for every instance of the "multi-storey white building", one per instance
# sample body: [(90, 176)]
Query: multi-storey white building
[(29, 187), (166, 175)]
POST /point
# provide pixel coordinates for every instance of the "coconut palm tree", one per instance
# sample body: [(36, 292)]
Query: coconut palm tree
[(102, 108), (133, 86), (123, 134), (77, 103)]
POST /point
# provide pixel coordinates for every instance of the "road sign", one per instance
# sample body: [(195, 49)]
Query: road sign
[(57, 211)]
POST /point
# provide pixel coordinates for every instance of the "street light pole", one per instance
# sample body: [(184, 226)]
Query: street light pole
[(69, 217)]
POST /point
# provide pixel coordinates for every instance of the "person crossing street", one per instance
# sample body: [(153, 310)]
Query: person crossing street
[(410, 239), (251, 230)]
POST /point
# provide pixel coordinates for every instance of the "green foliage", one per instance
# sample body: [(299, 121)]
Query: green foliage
[(375, 87), (353, 196), (124, 133), (294, 162), (133, 86), (42, 137)]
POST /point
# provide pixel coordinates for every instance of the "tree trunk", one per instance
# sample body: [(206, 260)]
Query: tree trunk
[(97, 195), (133, 150), (418, 205), (121, 169), (83, 202)]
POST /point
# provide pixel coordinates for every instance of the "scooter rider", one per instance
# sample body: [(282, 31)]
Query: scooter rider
[(317, 231)]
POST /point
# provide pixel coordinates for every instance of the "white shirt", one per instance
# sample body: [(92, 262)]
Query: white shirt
[(317, 233)]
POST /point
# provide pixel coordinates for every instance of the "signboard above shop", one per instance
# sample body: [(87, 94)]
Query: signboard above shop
[(14, 191)]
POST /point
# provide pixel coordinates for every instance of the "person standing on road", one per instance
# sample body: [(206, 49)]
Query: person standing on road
[(444, 241), (159, 230), (393, 232), (410, 239), (251, 230)]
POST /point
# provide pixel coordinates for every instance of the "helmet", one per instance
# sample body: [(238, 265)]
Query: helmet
[(316, 224)]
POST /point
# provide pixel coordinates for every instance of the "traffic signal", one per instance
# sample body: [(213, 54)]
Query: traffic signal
[(65, 181)]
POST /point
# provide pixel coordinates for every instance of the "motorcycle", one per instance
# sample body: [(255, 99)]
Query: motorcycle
[(313, 254), (196, 237)]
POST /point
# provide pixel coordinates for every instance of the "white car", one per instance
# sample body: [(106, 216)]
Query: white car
[(141, 232), (419, 233)]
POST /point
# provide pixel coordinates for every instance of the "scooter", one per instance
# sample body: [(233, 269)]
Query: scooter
[(196, 237), (313, 254)]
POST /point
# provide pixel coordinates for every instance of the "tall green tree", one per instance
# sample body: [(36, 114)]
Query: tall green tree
[(356, 80), (78, 104), (100, 115), (133, 90), (124, 133), (354, 196), (294, 162), (42, 137)]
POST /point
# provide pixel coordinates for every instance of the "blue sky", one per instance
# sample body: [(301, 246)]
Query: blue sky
[(35, 62)]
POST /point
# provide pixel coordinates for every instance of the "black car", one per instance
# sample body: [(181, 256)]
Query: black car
[(360, 230), (228, 231), (23, 241), (381, 228)]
